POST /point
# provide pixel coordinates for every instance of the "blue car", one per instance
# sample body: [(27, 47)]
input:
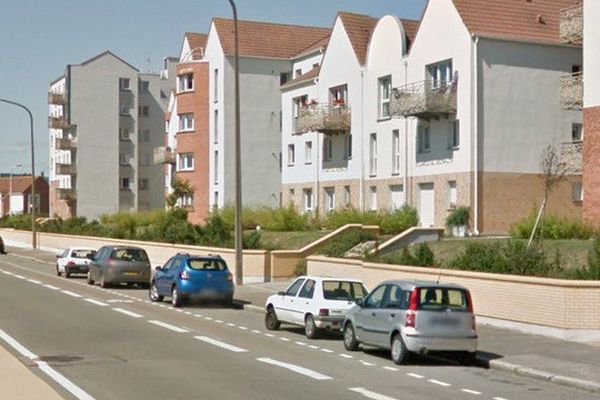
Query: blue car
[(186, 277)]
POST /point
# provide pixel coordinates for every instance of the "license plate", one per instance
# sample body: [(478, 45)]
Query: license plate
[(445, 322)]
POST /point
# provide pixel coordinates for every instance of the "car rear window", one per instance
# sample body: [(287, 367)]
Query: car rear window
[(442, 299), (129, 255), (82, 253), (343, 290), (203, 264)]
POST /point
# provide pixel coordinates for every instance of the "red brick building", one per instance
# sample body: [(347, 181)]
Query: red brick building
[(21, 195)]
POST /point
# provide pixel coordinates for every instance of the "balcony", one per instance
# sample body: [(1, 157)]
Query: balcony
[(571, 157), (164, 155), (58, 123), (65, 169), (64, 144), (425, 100), (571, 25), (571, 92), (57, 98), (324, 117), (66, 193)]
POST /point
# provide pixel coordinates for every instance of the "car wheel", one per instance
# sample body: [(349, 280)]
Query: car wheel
[(154, 296), (58, 271), (310, 327), (400, 353), (176, 299), (90, 281), (67, 274), (350, 342), (103, 283), (228, 301), (272, 323)]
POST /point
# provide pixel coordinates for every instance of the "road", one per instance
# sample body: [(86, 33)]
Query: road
[(116, 344)]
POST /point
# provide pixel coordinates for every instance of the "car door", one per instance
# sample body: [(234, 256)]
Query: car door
[(304, 302), (286, 302), (170, 274), (365, 317), (394, 307), (160, 277), (95, 264), (62, 260)]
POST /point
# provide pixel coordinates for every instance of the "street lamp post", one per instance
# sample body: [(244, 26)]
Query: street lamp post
[(239, 271), (33, 238)]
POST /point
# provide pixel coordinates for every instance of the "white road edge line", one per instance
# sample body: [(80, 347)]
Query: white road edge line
[(295, 368), (436, 382), (470, 391), (127, 312), (69, 386), (52, 287), (370, 395), (220, 344), (168, 326), (69, 293), (96, 302)]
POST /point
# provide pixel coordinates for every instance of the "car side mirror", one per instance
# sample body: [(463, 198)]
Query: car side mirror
[(359, 302), (281, 293), (58, 256), (158, 268)]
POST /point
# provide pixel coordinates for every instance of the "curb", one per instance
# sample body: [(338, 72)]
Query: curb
[(537, 374), (249, 307)]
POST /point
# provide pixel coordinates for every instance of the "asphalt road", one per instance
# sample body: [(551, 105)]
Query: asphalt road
[(116, 344)]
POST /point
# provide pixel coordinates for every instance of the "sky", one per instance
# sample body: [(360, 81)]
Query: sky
[(38, 38)]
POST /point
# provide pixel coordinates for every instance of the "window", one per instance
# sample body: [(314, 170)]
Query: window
[(216, 167), (348, 147), (143, 184), (452, 194), (373, 198), (124, 111), (292, 193), (339, 95), (291, 156), (144, 136), (294, 288), (297, 104), (216, 200), (397, 298), (284, 77), (216, 126), (144, 86), (576, 132), (375, 299), (186, 162), (343, 290), (373, 154), (146, 160), (143, 111), (330, 199), (327, 149), (124, 84), (577, 191), (454, 138), (347, 198), (186, 82), (576, 69), (125, 183), (187, 200), (123, 134), (123, 159), (308, 199), (186, 122), (395, 152), (216, 85), (396, 196), (423, 139), (442, 299), (308, 152), (440, 73), (298, 72), (385, 90), (308, 290)]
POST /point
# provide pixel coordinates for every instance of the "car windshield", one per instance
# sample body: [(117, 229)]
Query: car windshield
[(82, 253), (129, 255), (204, 264), (442, 299), (343, 290)]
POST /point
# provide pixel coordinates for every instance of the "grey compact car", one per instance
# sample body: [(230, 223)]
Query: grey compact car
[(120, 264), (410, 317)]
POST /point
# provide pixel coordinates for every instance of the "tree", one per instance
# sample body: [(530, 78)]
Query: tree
[(180, 189)]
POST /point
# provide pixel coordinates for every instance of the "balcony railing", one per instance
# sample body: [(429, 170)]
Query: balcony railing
[(571, 157), (66, 194), (324, 117), (64, 144), (571, 92), (65, 169), (58, 123), (57, 98), (571, 24), (164, 155), (426, 99)]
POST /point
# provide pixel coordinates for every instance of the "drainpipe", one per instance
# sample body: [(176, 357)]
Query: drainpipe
[(475, 132), (407, 190), (361, 198)]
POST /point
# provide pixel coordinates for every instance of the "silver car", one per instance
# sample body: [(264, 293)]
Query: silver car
[(410, 317), (120, 264)]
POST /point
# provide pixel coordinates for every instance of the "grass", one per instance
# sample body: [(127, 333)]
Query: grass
[(289, 240)]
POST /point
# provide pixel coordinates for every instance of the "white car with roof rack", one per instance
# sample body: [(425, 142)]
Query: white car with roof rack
[(316, 303)]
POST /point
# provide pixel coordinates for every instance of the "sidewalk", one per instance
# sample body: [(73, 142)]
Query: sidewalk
[(539, 357)]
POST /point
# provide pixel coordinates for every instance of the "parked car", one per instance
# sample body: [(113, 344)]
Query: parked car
[(315, 303), (410, 317), (2, 249), (186, 277), (120, 264), (74, 260)]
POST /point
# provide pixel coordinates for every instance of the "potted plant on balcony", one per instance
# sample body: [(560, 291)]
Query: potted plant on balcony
[(457, 221)]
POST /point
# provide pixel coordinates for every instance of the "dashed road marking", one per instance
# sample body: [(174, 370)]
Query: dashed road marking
[(368, 364), (220, 344), (51, 287), (255, 331), (391, 368), (440, 383), (470, 391), (370, 395), (69, 293), (284, 339), (312, 346), (269, 335), (326, 351), (243, 328), (34, 281), (96, 302), (413, 375), (295, 368), (346, 355), (128, 313), (168, 326), (230, 324)]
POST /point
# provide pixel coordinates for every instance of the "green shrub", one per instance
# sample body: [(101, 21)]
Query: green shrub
[(458, 217), (554, 227), (390, 222), (301, 268), (338, 246), (399, 220), (251, 240), (424, 256), (216, 232)]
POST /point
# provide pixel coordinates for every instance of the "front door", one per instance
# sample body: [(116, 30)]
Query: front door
[(426, 205)]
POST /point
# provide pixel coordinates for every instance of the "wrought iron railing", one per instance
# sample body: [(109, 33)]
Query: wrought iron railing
[(571, 24), (571, 156), (571, 91), (327, 118), (424, 99)]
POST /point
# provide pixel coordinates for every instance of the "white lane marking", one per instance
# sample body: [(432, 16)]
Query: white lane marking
[(368, 364), (284, 339), (208, 318), (20, 276), (230, 324), (220, 344), (255, 331), (187, 313), (162, 305), (295, 368), (370, 395), (45, 368), (269, 335), (499, 398), (198, 315), (69, 293), (346, 355), (300, 343), (436, 382), (415, 375), (218, 321), (51, 287), (7, 273), (118, 301), (179, 310), (128, 313), (312, 346), (34, 281), (326, 351), (243, 328), (168, 326), (96, 302), (470, 391), (391, 368)]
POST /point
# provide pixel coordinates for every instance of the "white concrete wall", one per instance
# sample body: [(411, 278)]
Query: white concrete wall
[(591, 53)]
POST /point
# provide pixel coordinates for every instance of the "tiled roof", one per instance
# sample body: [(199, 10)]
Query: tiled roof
[(267, 40), (359, 28), (319, 44), (313, 73), (535, 20), (410, 29), (196, 41), (20, 184)]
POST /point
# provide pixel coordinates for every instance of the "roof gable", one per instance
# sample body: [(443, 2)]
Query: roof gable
[(359, 28), (109, 54), (196, 44), (20, 183)]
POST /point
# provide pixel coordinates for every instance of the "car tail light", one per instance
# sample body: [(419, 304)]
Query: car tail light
[(324, 312), (184, 275), (111, 262), (469, 302), (229, 277), (413, 303)]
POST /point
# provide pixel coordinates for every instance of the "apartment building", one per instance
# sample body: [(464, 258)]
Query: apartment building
[(453, 112), (105, 120)]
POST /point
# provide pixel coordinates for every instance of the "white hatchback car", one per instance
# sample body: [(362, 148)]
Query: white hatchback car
[(315, 303), (74, 260)]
